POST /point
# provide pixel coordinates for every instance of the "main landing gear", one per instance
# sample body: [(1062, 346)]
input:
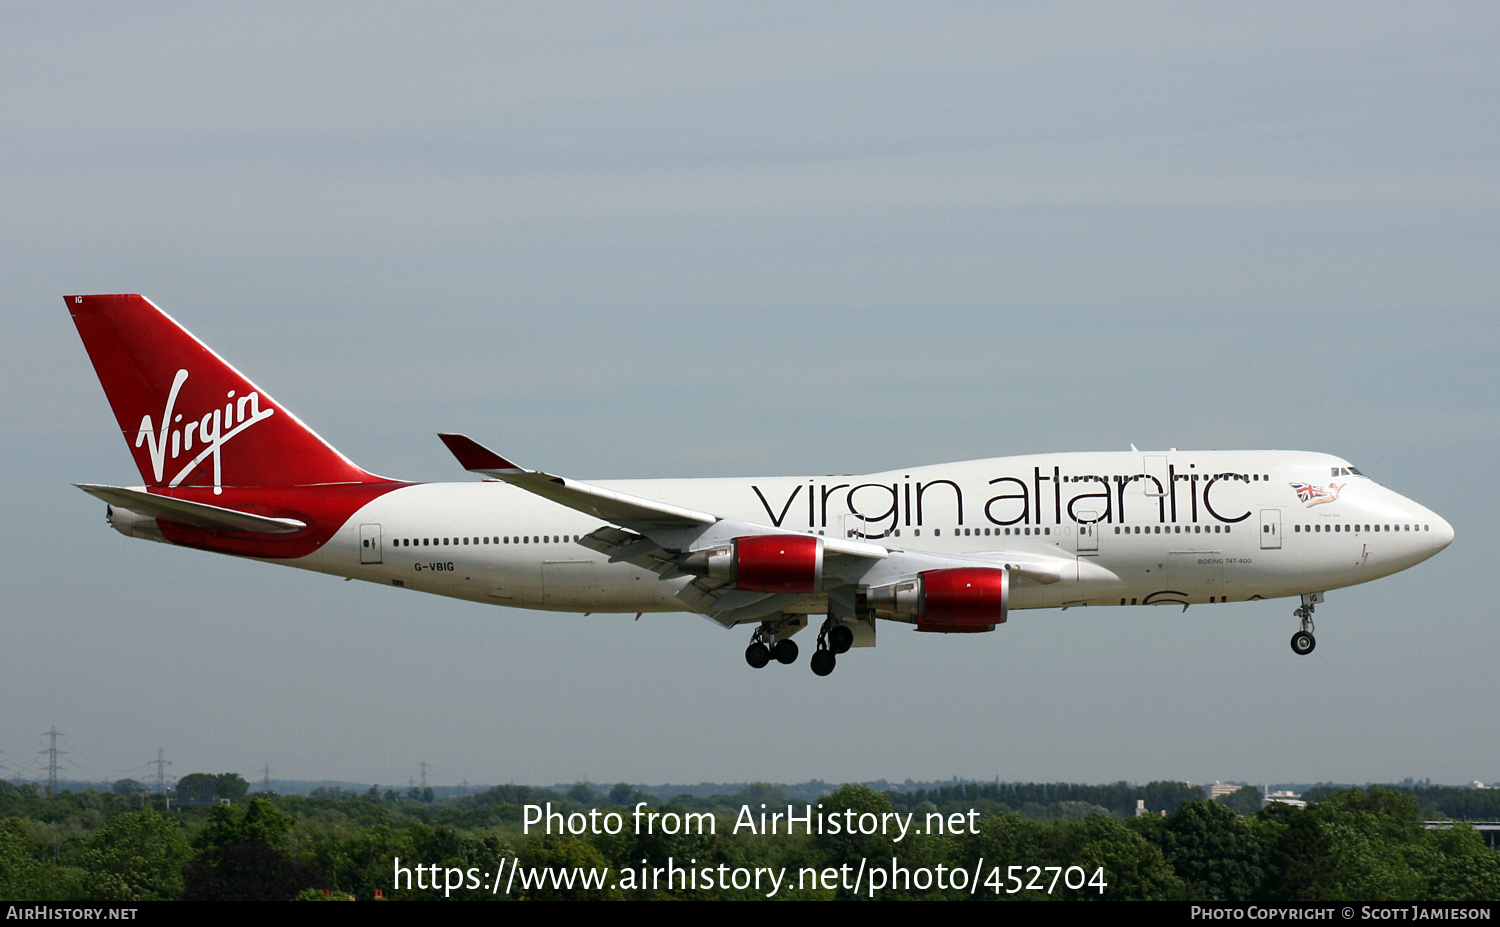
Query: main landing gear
[(764, 647), (1303, 641), (833, 638)]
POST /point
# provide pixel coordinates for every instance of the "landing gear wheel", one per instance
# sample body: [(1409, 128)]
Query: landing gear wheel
[(757, 655), (823, 662), (1303, 641), (840, 639), (785, 651)]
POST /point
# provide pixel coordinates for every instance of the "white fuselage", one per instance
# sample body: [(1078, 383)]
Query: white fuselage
[(1100, 528)]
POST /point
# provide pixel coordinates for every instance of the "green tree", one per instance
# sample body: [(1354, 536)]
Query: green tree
[(760, 793), (582, 793), (1300, 862), (849, 849), (258, 822), (625, 794), (224, 785), (1459, 867), (1134, 869), (1353, 845), (247, 872), (135, 857), (1246, 800), (242, 859), (565, 855), (22, 876), (1213, 850), (231, 785), (1004, 838)]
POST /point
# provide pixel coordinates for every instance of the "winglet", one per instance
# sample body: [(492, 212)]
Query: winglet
[(475, 456)]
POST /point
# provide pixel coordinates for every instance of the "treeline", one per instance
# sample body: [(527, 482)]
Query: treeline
[(1118, 799), (1353, 845), (1437, 802)]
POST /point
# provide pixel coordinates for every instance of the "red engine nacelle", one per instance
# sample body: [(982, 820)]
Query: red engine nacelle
[(964, 599), (960, 600), (763, 563)]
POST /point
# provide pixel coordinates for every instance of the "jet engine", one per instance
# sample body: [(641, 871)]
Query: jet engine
[(960, 600), (763, 563)]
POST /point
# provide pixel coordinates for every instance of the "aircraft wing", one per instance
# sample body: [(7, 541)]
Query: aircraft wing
[(618, 507), (611, 506), (658, 536), (664, 538), (654, 535)]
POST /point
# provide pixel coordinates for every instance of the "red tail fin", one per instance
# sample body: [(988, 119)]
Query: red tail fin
[(190, 418)]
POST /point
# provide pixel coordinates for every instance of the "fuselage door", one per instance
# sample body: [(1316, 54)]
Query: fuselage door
[(1088, 531), (1270, 529), (369, 544)]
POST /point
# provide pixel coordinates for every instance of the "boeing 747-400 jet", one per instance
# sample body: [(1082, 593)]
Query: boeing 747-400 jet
[(950, 547)]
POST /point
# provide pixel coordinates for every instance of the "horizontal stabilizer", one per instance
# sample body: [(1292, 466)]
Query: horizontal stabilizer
[(197, 514)]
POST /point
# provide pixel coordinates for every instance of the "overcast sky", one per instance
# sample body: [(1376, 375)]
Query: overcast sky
[(633, 240)]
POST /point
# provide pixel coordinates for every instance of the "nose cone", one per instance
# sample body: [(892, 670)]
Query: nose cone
[(1442, 533)]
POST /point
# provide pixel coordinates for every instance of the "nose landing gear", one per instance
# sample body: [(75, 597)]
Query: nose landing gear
[(1303, 641)]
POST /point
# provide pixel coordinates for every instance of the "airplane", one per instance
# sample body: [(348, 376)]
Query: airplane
[(946, 548)]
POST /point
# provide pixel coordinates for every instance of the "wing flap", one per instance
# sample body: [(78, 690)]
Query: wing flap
[(628, 547)]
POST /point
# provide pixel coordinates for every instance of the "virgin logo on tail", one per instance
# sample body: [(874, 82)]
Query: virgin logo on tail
[(208, 432)]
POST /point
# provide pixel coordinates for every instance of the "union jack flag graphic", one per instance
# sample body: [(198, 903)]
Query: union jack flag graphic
[(1316, 495)]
